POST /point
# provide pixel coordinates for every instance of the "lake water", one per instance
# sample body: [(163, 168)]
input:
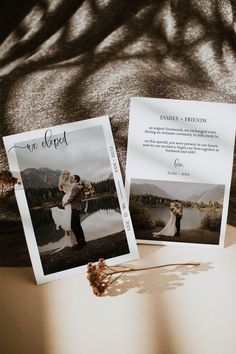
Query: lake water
[(95, 225), (191, 217)]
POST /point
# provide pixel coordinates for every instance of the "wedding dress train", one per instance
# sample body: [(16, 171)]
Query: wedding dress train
[(169, 229), (62, 218), (66, 241)]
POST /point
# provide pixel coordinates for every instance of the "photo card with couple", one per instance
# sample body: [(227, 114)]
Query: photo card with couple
[(71, 197), (178, 171)]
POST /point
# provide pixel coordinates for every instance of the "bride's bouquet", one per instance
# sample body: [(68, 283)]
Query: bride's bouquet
[(87, 188)]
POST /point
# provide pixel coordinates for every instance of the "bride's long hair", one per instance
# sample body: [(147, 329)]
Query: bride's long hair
[(64, 177)]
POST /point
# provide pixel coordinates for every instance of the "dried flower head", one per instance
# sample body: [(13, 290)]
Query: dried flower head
[(7, 181), (98, 278)]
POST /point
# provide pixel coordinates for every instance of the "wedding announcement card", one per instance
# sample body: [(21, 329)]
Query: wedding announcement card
[(179, 167), (71, 197)]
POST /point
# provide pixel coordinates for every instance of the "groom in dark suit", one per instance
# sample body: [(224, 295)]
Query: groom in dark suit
[(178, 213), (76, 206)]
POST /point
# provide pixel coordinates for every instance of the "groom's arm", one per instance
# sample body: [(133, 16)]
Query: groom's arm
[(73, 194)]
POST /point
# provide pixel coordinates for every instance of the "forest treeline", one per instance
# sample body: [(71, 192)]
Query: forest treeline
[(154, 201), (104, 197)]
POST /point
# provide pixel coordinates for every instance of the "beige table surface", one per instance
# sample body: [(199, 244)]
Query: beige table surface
[(157, 312)]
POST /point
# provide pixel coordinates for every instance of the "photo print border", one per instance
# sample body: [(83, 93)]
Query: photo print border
[(56, 138), (198, 211)]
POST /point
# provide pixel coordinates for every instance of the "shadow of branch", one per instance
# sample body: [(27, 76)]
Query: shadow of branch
[(156, 280)]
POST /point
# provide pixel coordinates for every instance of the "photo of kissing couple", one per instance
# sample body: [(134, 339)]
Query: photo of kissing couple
[(172, 228), (71, 198), (176, 212), (68, 218)]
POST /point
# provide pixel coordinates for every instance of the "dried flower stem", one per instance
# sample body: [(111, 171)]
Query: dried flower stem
[(152, 267), (100, 275)]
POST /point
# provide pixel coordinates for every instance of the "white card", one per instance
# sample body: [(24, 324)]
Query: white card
[(55, 205), (178, 171)]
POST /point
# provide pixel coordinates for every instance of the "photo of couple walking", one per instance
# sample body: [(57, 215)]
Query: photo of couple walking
[(172, 227)]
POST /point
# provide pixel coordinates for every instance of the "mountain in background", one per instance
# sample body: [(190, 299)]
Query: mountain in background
[(144, 188), (40, 177), (43, 177), (215, 194)]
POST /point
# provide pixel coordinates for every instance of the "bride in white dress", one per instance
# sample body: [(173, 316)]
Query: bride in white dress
[(169, 229), (62, 217)]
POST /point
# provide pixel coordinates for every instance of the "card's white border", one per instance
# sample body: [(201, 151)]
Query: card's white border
[(10, 140), (227, 183)]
